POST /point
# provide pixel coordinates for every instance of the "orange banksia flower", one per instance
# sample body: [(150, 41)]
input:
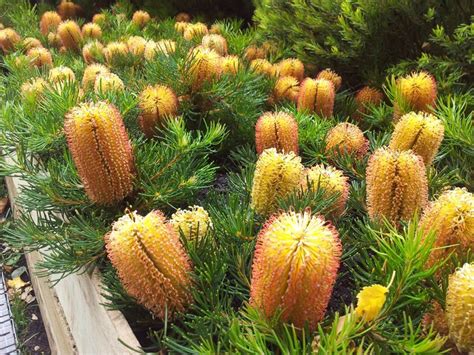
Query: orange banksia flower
[(90, 74), (230, 64), (332, 76), (49, 22), (183, 17), (193, 223), (40, 57), (92, 52), (365, 97), (277, 130), (70, 34), (205, 65), (332, 181), (31, 42), (262, 66), (397, 186), (156, 103), (114, 52), (181, 26), (346, 138), (460, 308), (295, 267), (91, 30), (290, 67), (415, 92), (276, 175), (54, 40), (436, 317), (216, 28), (286, 88), (420, 132), (107, 82), (68, 9), (98, 19), (253, 52), (101, 151), (215, 42), (317, 95), (9, 38), (151, 262), (194, 30), (61, 75), (141, 18)]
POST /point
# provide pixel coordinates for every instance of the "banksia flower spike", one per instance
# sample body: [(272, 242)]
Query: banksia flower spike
[(216, 28), (92, 52), (193, 223), (332, 76), (332, 181), (151, 262), (90, 74), (262, 66), (364, 97), (54, 40), (136, 45), (156, 103), (98, 19), (181, 26), (164, 46), (33, 89), (195, 30), (415, 92), (346, 138), (230, 64), (31, 42), (397, 186), (420, 132), (68, 9), (114, 52), (70, 35), (276, 175), (101, 151), (61, 75), (277, 130), (286, 88), (253, 52), (205, 65), (295, 267), (451, 217), (40, 57), (91, 30), (317, 96), (9, 38), (49, 22), (215, 42), (108, 82), (141, 18), (460, 308), (290, 67), (183, 17)]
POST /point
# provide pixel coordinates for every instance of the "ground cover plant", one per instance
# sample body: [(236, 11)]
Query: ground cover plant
[(232, 200)]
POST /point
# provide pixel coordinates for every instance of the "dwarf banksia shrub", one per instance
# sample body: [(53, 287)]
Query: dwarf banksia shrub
[(277, 130), (61, 75), (49, 22), (91, 30), (106, 82), (262, 66), (194, 30), (415, 92), (290, 67), (397, 186), (9, 38), (151, 262), (92, 52), (346, 138), (140, 18), (333, 183), (332, 76), (276, 175), (286, 88), (193, 223), (101, 151), (70, 35), (215, 42), (115, 52), (156, 103), (205, 65), (451, 217), (295, 266), (365, 97), (420, 132), (317, 95), (460, 308), (230, 64), (90, 74), (40, 57)]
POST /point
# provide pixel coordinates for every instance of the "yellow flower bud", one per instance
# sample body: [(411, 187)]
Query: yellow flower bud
[(197, 29), (92, 52), (106, 82), (317, 96), (54, 40), (262, 66), (60, 75), (253, 52), (114, 52), (91, 31), (215, 42), (181, 26), (136, 45), (9, 38), (98, 19), (183, 17), (205, 65), (193, 223), (277, 130), (164, 46), (33, 89), (332, 76), (70, 35), (346, 138), (230, 64), (49, 22), (290, 67), (140, 18), (67, 9), (40, 57), (90, 74), (370, 302), (364, 97), (31, 42), (286, 88)]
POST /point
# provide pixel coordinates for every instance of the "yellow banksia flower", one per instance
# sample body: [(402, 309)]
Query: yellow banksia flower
[(205, 65), (332, 76), (415, 92), (290, 67), (54, 40), (141, 18), (49, 22), (151, 262), (194, 30), (346, 138), (230, 64), (114, 52), (295, 266), (216, 28), (61, 75), (182, 17), (164, 46), (9, 38), (397, 186), (180, 26), (276, 175), (365, 97), (136, 45), (101, 151), (370, 302), (92, 52), (91, 31), (332, 181), (98, 19), (451, 217), (33, 89), (277, 130), (193, 222), (420, 132), (108, 82), (216, 42), (31, 42), (253, 52), (90, 74), (262, 66), (460, 308), (70, 34), (40, 57), (156, 103), (286, 88), (67, 9), (317, 95)]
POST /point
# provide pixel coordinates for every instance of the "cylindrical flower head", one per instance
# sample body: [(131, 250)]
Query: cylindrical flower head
[(317, 95), (332, 181), (49, 22), (136, 45), (181, 26), (164, 46), (205, 65), (70, 34), (9, 38), (90, 74), (67, 9), (40, 57), (295, 266), (33, 89), (193, 223), (156, 103), (277, 130), (91, 30), (332, 76), (60, 75), (230, 64), (183, 17), (216, 28), (262, 66), (451, 217), (151, 262), (215, 42), (286, 88), (108, 82), (92, 52), (420, 132), (101, 151), (98, 19), (140, 18), (290, 67), (364, 97), (195, 30), (54, 40), (415, 92), (346, 138), (460, 308), (253, 52), (114, 52), (31, 42), (276, 175), (397, 186)]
